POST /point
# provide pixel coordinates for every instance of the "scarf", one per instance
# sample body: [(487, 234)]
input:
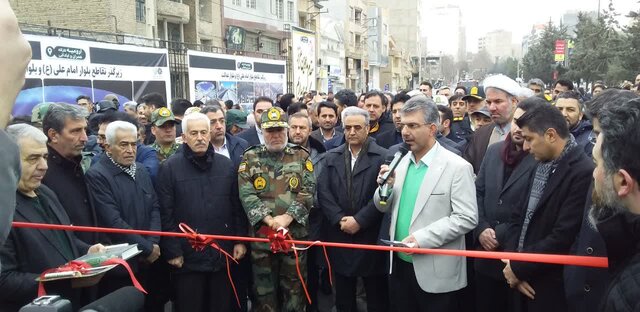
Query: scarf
[(510, 154), (131, 170), (543, 172), (203, 162)]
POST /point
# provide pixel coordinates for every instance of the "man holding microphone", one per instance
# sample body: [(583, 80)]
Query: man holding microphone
[(432, 199)]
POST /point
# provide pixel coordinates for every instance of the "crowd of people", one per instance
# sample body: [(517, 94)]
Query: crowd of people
[(498, 167)]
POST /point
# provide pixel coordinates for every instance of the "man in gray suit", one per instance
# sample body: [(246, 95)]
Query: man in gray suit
[(14, 58), (433, 205)]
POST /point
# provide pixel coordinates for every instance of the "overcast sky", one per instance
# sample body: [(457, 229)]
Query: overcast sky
[(518, 16)]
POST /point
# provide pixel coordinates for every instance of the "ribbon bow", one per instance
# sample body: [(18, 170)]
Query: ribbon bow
[(200, 242), (277, 239)]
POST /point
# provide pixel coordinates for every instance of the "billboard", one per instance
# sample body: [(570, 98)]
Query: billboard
[(237, 78), (303, 46), (61, 69)]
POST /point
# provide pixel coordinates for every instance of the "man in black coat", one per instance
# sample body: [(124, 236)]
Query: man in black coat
[(394, 136), (616, 199), (550, 218), (345, 195), (124, 197), (254, 135), (585, 286), (29, 252), (199, 187), (503, 178), (65, 126)]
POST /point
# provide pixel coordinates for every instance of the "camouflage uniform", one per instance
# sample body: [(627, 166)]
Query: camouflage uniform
[(159, 117), (274, 184), (164, 154)]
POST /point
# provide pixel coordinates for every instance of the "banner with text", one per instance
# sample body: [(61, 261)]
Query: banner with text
[(303, 47), (237, 78), (62, 69)]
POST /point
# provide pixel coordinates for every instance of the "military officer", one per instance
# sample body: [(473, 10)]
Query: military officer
[(163, 127), (276, 189)]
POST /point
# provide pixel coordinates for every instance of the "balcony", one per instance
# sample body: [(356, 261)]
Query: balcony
[(174, 12)]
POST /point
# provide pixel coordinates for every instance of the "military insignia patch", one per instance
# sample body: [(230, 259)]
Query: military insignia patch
[(243, 167), (273, 114), (294, 183), (259, 183), (309, 165), (164, 112)]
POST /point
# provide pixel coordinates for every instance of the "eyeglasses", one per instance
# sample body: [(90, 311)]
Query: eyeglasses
[(412, 126)]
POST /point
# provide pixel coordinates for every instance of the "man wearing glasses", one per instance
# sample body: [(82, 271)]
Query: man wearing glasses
[(432, 205)]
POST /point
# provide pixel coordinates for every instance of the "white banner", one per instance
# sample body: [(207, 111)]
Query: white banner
[(303, 44)]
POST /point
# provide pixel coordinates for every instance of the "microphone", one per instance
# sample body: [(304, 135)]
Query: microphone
[(384, 187), (125, 299)]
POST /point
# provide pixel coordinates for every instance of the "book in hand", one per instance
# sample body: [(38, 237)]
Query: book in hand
[(95, 260)]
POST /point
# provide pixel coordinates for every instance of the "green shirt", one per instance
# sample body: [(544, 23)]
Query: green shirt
[(409, 195)]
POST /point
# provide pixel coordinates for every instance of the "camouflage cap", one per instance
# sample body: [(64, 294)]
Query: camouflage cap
[(161, 115), (237, 117), (274, 117), (39, 111)]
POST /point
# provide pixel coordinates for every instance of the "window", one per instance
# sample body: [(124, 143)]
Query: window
[(291, 11), (280, 9), (251, 4), (236, 2), (140, 11), (358, 15), (205, 10)]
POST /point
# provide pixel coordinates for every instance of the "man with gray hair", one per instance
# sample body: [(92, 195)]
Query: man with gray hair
[(537, 86), (345, 192), (123, 195), (186, 195), (65, 126), (432, 201), (29, 252)]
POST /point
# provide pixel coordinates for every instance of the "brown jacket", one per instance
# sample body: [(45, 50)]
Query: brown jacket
[(477, 147)]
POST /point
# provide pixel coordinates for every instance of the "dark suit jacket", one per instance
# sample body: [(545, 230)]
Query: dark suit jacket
[(10, 173), (236, 147), (67, 180), (552, 229), (334, 200), (477, 146), (585, 286), (497, 200), (124, 203), (29, 252), (250, 135), (389, 138)]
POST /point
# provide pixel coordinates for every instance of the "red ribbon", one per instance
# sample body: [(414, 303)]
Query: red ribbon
[(82, 267), (199, 242), (280, 241), (587, 261)]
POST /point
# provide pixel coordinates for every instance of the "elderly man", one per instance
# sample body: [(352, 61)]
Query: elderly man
[(186, 195), (501, 92), (537, 86), (345, 195), (549, 218), (224, 143), (29, 252), (616, 198), (65, 126), (276, 189), (123, 194), (432, 202), (163, 127)]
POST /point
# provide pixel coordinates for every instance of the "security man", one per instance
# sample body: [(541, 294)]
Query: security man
[(276, 189)]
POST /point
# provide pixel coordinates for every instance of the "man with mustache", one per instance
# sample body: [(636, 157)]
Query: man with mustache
[(276, 189), (199, 187)]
